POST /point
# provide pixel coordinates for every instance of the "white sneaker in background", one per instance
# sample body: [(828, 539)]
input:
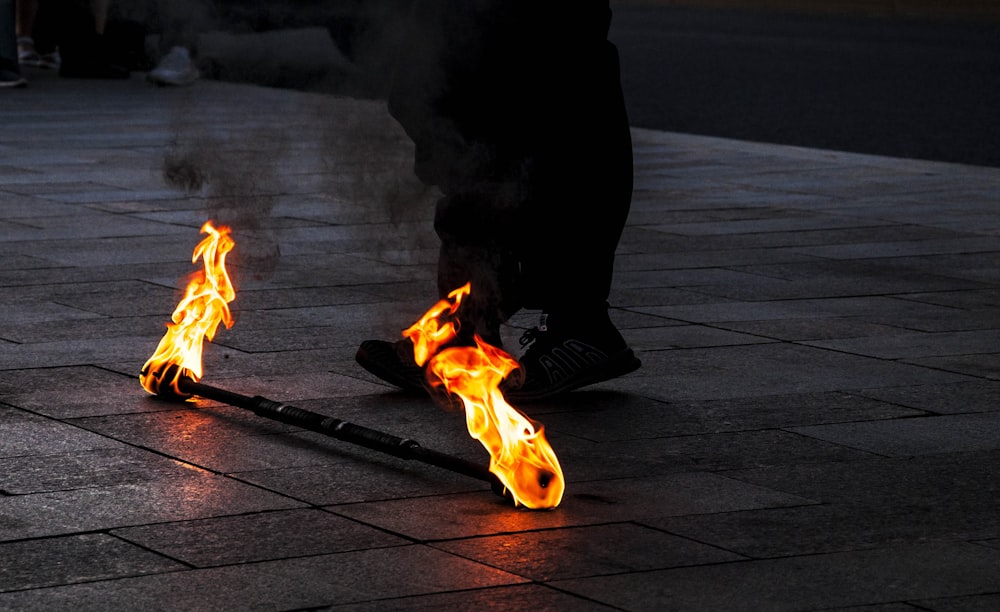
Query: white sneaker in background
[(176, 68)]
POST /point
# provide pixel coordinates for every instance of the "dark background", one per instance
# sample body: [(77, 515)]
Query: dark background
[(888, 85), (883, 85)]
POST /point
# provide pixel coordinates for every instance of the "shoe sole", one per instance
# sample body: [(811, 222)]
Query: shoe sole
[(371, 356), (617, 365)]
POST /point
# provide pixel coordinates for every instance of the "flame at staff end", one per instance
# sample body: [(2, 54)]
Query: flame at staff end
[(520, 455), (205, 304)]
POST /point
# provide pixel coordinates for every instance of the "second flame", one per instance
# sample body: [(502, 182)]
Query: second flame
[(520, 455)]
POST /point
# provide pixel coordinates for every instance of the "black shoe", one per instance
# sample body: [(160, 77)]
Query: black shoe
[(393, 362), (11, 79), (563, 356)]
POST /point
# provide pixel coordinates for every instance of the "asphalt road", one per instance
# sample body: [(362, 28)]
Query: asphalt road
[(928, 90)]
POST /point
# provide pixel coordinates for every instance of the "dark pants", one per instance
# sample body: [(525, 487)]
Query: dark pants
[(516, 111), (8, 36)]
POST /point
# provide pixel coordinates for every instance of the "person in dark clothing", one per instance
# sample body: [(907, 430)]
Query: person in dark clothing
[(516, 112), (78, 28), (10, 71)]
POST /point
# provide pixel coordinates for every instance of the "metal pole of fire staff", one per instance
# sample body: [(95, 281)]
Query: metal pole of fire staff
[(403, 448)]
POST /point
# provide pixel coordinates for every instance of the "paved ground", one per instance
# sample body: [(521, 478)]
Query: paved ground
[(816, 426)]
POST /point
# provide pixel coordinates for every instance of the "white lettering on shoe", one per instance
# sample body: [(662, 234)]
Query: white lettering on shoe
[(569, 358)]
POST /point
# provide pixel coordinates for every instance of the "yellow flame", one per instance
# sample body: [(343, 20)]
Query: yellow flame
[(520, 455), (205, 304)]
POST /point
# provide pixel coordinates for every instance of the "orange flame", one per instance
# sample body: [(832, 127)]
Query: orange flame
[(520, 455), (196, 318)]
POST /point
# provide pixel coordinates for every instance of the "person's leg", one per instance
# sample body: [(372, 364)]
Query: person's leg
[(26, 11), (578, 195), (27, 54), (580, 198), (41, 26), (99, 10), (518, 116), (84, 50), (10, 73), (8, 36)]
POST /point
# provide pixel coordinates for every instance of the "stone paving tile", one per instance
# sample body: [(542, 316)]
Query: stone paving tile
[(917, 436), (607, 416), (59, 275), (28, 209), (969, 267), (823, 280), (836, 527), (783, 221), (111, 251), (714, 452), (723, 372), (971, 603), (266, 299), (991, 543), (886, 575), (701, 280), (578, 552), (793, 242), (196, 495), (360, 477), (77, 352), (812, 328), (890, 607), (845, 181), (211, 442), (873, 309), (969, 477), (981, 299), (496, 598), (25, 434), (26, 314), (686, 336), (249, 538), (916, 345), (288, 584), (34, 564), (588, 503), (71, 392), (698, 257), (101, 467), (93, 327), (981, 365), (977, 396), (659, 296), (964, 244), (94, 225), (301, 337), (119, 299), (21, 262)]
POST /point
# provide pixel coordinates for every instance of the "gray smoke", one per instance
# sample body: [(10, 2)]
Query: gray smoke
[(237, 186), (345, 149)]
